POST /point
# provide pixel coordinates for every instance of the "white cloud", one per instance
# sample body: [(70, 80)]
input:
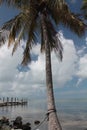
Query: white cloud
[(86, 40), (15, 83), (65, 70), (81, 51), (82, 70), (24, 83), (82, 64)]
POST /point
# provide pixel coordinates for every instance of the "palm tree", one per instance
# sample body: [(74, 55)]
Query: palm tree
[(84, 8), (41, 16)]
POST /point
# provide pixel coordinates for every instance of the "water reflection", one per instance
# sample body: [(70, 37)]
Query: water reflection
[(72, 113)]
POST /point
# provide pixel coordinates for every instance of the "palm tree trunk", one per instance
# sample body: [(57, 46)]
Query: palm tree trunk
[(53, 119), (53, 123)]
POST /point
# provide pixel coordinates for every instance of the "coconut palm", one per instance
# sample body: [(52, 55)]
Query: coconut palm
[(84, 8), (41, 16)]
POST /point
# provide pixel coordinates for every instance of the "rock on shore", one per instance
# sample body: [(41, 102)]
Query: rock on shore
[(17, 124)]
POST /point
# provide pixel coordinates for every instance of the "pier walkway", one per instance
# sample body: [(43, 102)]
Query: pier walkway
[(12, 102)]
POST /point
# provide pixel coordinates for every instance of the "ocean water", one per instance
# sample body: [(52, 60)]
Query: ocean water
[(72, 113)]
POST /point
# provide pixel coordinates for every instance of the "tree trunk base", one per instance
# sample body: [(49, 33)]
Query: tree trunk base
[(54, 123)]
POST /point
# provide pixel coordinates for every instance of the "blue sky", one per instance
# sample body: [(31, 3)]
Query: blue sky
[(69, 77)]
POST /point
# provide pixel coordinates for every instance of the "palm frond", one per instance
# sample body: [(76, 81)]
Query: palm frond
[(28, 20), (42, 41), (30, 11), (17, 41), (57, 4), (12, 36), (58, 49), (51, 37), (55, 7), (72, 21), (14, 23), (13, 26), (9, 2), (31, 39), (21, 5), (26, 54), (55, 43), (3, 37), (84, 8)]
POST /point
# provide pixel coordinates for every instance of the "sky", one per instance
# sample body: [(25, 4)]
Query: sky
[(69, 76)]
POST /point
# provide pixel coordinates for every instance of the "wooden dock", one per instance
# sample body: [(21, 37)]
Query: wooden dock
[(12, 102)]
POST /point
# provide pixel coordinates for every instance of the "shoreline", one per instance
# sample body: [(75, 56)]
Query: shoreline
[(66, 124), (18, 124)]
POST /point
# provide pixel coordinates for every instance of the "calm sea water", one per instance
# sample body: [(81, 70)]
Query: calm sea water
[(72, 113)]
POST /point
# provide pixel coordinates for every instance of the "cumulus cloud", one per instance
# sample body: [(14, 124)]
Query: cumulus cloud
[(82, 70), (12, 81), (7, 69), (86, 40), (65, 70), (82, 64), (22, 83)]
